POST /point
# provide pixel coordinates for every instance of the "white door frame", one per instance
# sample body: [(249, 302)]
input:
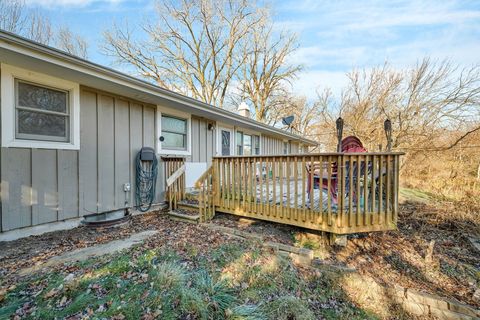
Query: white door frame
[(219, 140)]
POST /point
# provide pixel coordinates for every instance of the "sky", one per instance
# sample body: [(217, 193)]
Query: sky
[(334, 37)]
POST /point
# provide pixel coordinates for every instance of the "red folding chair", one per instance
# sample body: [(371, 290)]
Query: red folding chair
[(350, 144)]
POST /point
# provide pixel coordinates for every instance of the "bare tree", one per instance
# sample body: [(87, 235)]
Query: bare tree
[(195, 47), (306, 113), (71, 43), (422, 102), (38, 28), (11, 15), (17, 18), (266, 73)]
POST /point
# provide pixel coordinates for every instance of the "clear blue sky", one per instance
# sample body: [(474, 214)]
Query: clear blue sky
[(334, 36)]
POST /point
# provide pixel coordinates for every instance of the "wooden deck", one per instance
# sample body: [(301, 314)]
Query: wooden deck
[(333, 192), (320, 197)]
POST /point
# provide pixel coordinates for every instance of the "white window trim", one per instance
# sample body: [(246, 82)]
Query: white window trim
[(174, 113), (8, 75)]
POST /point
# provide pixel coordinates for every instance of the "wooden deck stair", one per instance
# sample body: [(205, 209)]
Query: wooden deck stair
[(187, 209)]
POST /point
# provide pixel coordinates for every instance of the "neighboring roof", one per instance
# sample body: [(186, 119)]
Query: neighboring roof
[(27, 53)]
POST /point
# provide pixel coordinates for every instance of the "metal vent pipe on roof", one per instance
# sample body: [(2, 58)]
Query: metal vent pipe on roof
[(244, 110)]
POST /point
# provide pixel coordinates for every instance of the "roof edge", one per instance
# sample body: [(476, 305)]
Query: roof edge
[(14, 39)]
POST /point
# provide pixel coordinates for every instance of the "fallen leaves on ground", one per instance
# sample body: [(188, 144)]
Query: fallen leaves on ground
[(391, 258)]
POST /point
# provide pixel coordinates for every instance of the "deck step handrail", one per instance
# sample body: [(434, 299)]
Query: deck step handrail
[(174, 180), (207, 192)]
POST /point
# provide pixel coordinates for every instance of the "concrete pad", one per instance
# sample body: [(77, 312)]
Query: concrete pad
[(94, 251)]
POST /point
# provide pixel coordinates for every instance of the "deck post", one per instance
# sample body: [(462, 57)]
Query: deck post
[(339, 124)]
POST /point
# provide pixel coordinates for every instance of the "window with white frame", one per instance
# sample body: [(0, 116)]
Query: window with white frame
[(38, 110), (174, 130), (247, 144), (174, 133), (41, 113)]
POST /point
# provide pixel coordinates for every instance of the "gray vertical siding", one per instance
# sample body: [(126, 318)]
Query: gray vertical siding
[(203, 141), (122, 149), (42, 185), (105, 153), (295, 147), (38, 186), (271, 145), (67, 172), (16, 188), (122, 128)]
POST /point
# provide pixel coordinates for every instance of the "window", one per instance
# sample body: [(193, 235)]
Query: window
[(175, 129), (247, 144), (41, 113), (239, 140), (287, 149), (38, 110), (174, 132), (256, 144), (226, 142)]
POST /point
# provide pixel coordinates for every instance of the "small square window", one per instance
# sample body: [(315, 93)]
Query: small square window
[(41, 113), (174, 133)]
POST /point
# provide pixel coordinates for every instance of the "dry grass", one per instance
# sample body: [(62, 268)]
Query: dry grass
[(450, 182), (371, 296)]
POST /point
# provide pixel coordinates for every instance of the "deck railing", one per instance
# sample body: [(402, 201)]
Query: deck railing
[(206, 197), (333, 192), (175, 180)]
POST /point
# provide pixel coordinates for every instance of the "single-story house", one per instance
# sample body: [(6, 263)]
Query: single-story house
[(71, 129)]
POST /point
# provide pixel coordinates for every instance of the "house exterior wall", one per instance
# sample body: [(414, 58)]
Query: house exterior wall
[(204, 141), (40, 186), (271, 145), (294, 147), (113, 130), (44, 185)]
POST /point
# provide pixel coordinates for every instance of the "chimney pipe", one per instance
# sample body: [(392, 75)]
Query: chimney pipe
[(244, 110)]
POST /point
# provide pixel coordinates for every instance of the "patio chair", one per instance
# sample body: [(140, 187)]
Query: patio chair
[(350, 144), (354, 145)]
